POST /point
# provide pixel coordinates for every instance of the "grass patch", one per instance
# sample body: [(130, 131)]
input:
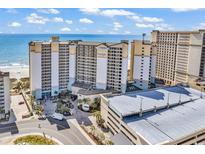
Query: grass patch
[(34, 140)]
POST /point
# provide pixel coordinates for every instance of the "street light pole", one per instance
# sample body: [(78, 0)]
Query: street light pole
[(141, 106)]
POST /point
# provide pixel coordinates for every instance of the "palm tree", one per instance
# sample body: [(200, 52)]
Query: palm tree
[(19, 86), (99, 120), (86, 100), (92, 128), (39, 110), (96, 104), (109, 142), (32, 99), (101, 137), (80, 101)]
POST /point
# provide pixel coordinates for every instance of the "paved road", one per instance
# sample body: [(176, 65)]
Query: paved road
[(64, 131), (81, 116)]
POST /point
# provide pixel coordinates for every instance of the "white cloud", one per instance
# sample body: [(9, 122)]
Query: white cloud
[(184, 9), (14, 24), (127, 32), (152, 19), (57, 19), (90, 10), (116, 12), (107, 12), (48, 11), (146, 19), (77, 29), (158, 26), (86, 21), (12, 11), (144, 25), (117, 26), (113, 32), (163, 26), (65, 29), (100, 31), (200, 26), (69, 21), (36, 19)]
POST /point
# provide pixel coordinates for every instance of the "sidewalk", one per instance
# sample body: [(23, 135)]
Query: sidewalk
[(75, 123)]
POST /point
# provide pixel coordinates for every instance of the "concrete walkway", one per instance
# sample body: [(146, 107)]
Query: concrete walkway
[(75, 123)]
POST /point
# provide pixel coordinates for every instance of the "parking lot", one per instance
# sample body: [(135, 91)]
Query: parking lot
[(17, 109)]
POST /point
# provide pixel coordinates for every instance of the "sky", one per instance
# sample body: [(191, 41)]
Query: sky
[(99, 21)]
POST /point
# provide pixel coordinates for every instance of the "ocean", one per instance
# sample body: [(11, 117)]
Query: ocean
[(14, 47)]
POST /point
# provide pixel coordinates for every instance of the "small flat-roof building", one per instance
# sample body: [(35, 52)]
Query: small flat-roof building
[(170, 115)]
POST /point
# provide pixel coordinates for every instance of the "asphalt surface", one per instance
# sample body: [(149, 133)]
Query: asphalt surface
[(81, 116), (63, 131)]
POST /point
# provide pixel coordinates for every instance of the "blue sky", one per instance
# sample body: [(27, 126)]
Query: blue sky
[(99, 21)]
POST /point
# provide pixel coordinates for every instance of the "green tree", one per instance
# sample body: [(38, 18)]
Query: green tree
[(99, 120), (108, 142), (101, 137), (96, 104), (32, 99), (18, 86), (92, 128), (80, 101), (39, 110), (86, 100)]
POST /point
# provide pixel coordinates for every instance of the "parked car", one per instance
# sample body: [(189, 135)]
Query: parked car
[(86, 107), (74, 97), (57, 116), (20, 103), (67, 113), (70, 105), (43, 117)]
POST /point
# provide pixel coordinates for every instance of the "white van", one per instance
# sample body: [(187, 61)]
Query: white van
[(57, 116), (86, 107)]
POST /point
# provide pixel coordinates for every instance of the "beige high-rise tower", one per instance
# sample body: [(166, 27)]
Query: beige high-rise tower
[(180, 55), (142, 64), (57, 66), (5, 99)]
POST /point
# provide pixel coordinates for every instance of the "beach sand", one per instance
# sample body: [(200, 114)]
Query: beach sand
[(16, 71)]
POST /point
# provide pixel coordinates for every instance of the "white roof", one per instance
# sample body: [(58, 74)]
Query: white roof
[(129, 103), (167, 124)]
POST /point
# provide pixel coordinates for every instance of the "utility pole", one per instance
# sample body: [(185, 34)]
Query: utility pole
[(141, 106), (180, 99), (168, 101), (201, 93)]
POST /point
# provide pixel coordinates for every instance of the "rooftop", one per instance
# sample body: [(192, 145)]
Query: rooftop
[(200, 30), (129, 103), (87, 89), (4, 74), (164, 124), (169, 124), (57, 39)]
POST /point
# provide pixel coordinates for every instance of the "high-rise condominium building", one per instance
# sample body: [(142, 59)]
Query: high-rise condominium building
[(5, 99), (142, 64), (180, 55), (56, 66)]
